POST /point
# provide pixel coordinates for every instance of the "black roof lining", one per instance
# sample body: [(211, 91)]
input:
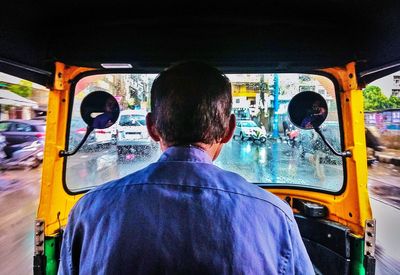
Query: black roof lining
[(270, 35)]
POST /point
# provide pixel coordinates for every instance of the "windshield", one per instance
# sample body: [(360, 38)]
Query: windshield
[(282, 155), (248, 124), (132, 120)]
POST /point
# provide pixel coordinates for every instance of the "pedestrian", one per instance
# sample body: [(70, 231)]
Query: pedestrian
[(109, 115), (316, 156), (285, 126), (314, 115), (182, 214)]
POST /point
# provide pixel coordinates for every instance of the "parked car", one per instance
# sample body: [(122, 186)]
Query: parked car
[(18, 131), (248, 130), (132, 133)]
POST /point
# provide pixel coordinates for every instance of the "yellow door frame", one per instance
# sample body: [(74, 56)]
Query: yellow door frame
[(350, 208)]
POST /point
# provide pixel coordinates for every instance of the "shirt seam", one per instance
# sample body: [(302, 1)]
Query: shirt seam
[(192, 186)]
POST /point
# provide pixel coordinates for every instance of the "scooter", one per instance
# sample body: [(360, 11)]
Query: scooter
[(373, 145), (3, 144), (257, 136), (24, 155), (292, 134)]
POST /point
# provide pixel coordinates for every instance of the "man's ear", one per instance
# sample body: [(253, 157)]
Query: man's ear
[(153, 133), (231, 129)]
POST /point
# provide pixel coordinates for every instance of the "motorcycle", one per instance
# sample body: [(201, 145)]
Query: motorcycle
[(373, 145), (3, 144), (292, 134), (24, 155), (257, 136)]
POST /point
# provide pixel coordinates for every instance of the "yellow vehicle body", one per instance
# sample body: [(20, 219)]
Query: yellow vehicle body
[(350, 208)]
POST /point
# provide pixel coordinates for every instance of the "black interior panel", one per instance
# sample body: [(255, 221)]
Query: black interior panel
[(280, 36), (327, 243)]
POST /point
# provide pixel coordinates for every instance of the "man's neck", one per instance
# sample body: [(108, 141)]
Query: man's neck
[(212, 150)]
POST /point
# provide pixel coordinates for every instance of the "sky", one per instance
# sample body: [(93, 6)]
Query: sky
[(385, 83)]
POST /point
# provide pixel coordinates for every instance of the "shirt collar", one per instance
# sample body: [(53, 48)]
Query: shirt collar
[(185, 153)]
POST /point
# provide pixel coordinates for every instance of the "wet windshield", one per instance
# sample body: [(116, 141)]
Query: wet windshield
[(248, 124), (132, 120), (265, 149)]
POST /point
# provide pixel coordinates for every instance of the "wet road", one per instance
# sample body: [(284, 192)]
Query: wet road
[(19, 196), (270, 162), (19, 192), (384, 187)]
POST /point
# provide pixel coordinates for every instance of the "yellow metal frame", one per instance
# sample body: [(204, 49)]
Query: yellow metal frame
[(350, 208), (55, 203)]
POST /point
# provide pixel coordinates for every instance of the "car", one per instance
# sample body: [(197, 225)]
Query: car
[(132, 133), (98, 138), (249, 130), (18, 131), (40, 118)]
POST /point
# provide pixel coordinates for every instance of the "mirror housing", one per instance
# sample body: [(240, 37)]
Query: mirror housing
[(99, 110), (307, 111)]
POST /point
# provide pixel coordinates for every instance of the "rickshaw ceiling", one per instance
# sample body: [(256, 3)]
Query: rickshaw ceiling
[(270, 36)]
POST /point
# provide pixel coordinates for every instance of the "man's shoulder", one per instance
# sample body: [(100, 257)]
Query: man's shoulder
[(115, 187), (186, 175), (237, 185)]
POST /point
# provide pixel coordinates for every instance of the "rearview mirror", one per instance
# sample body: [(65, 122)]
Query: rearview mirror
[(99, 110), (307, 110)]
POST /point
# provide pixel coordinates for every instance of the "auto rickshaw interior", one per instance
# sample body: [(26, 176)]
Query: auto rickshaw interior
[(350, 43)]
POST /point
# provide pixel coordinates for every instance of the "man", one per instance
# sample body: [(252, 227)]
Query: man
[(182, 214), (285, 126), (109, 116), (315, 116)]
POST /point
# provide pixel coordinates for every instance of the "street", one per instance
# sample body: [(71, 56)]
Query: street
[(19, 193), (269, 162)]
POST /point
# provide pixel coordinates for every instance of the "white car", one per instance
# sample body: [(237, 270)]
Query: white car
[(248, 130), (131, 132)]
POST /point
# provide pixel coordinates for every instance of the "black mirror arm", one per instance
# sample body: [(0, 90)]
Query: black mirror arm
[(64, 153), (345, 154)]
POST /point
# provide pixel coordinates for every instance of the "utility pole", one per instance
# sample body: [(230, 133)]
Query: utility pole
[(275, 125), (263, 88)]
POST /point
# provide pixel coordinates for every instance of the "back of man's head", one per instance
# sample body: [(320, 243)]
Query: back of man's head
[(191, 102)]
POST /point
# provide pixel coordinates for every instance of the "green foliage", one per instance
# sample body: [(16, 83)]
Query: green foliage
[(375, 100), (394, 102), (24, 91)]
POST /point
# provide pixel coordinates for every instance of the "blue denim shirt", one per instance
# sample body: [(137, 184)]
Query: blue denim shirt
[(182, 215)]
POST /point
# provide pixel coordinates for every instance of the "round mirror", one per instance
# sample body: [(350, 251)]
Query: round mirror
[(307, 110), (99, 110)]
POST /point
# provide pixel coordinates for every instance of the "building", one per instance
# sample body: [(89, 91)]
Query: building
[(13, 105), (390, 85)]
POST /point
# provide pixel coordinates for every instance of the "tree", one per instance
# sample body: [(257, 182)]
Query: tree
[(374, 99), (394, 102), (24, 91)]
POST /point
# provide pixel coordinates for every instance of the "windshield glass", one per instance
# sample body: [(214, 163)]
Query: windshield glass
[(248, 124), (273, 152), (132, 120)]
